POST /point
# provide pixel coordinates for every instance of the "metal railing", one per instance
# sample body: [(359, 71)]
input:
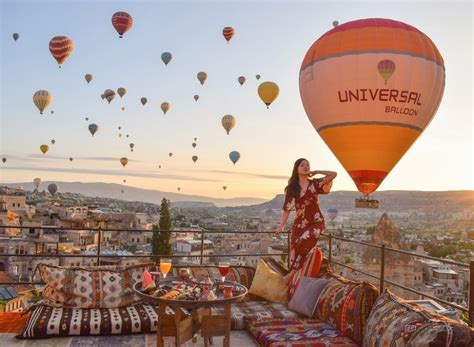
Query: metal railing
[(381, 279)]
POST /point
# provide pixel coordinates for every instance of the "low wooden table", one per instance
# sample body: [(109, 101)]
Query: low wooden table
[(184, 327)]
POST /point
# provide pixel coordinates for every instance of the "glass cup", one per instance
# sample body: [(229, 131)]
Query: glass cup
[(165, 266), (224, 269)]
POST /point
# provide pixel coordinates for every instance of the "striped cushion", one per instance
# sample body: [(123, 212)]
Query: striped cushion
[(310, 268), (46, 321)]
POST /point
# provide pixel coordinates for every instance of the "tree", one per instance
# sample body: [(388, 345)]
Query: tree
[(161, 239)]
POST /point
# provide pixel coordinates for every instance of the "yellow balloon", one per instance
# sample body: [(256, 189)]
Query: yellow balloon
[(42, 99), (124, 161), (268, 92), (44, 148), (165, 106), (228, 122)]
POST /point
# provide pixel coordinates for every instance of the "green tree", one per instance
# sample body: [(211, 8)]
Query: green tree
[(161, 236)]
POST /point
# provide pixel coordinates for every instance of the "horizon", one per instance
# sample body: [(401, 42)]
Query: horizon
[(271, 41)]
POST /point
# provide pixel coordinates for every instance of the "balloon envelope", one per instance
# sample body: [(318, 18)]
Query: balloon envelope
[(122, 22), (228, 33), (143, 101), (53, 188), (370, 87), (196, 97), (88, 77), (268, 92), (37, 182), (61, 48), (4, 160), (93, 128), (202, 77), (228, 122), (166, 57), (42, 99), (109, 95), (195, 158), (332, 213), (234, 156), (241, 80), (165, 106), (15, 36), (124, 161), (44, 148), (121, 91)]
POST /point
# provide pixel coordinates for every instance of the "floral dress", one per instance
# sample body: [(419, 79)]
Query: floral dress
[(309, 221)]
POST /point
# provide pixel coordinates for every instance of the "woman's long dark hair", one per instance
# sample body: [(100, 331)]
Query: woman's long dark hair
[(293, 188)]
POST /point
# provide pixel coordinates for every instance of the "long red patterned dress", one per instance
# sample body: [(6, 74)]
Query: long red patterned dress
[(309, 221)]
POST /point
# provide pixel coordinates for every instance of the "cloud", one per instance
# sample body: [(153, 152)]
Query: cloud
[(112, 173)]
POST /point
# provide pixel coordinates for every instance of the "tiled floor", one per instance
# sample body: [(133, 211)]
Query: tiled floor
[(237, 339)]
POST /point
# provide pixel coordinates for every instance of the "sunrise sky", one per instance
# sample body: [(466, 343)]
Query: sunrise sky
[(271, 39)]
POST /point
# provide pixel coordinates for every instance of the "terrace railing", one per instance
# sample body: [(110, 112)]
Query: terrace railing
[(201, 235)]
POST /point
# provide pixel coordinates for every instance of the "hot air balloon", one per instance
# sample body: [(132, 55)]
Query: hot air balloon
[(42, 99), (119, 128), (195, 139), (71, 159), (367, 124), (241, 80), (88, 77), (123, 108), (131, 146), (52, 188), (52, 111), (102, 96), (166, 57), (195, 158), (335, 23), (93, 128), (234, 156), (44, 148), (196, 97), (143, 101), (224, 187), (228, 33), (165, 106), (202, 77), (37, 182), (4, 160), (386, 69), (127, 136), (268, 92), (15, 36), (179, 189), (119, 135), (228, 122), (121, 92), (109, 95), (332, 213), (194, 144), (122, 22), (124, 181), (61, 48), (121, 191), (124, 161), (170, 154), (87, 118), (159, 166), (257, 77), (53, 141)]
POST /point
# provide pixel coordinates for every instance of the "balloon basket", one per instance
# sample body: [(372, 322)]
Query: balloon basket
[(366, 202)]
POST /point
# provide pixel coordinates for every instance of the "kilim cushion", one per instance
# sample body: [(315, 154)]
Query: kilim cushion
[(395, 322), (346, 305), (243, 312), (310, 268), (307, 295), (46, 321), (90, 287), (297, 333)]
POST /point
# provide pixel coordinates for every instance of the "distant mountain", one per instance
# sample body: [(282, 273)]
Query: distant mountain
[(114, 191), (391, 200)]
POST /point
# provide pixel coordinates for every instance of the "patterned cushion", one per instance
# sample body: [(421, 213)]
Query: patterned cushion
[(243, 312), (297, 333), (240, 274), (307, 295), (269, 284), (393, 321), (46, 321), (346, 305), (90, 287), (310, 268)]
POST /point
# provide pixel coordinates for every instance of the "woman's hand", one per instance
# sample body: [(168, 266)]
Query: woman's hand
[(279, 230)]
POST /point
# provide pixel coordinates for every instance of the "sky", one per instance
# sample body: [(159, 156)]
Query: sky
[(271, 39)]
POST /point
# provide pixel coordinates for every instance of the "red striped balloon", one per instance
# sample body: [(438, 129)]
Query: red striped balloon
[(228, 33), (61, 48), (122, 22)]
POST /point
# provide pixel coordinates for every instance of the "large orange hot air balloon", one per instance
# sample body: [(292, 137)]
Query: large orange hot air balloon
[(61, 48), (122, 22), (228, 33), (370, 87)]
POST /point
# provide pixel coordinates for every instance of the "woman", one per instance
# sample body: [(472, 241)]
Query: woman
[(301, 194)]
